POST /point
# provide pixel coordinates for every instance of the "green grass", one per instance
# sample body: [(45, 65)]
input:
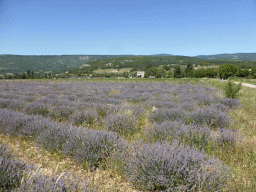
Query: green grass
[(242, 158)]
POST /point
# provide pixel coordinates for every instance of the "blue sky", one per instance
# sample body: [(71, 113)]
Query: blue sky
[(139, 27)]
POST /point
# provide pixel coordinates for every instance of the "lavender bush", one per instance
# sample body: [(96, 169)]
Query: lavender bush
[(122, 124), (20, 124), (227, 137), (165, 167), (17, 176), (53, 137), (84, 118), (4, 103), (93, 147), (164, 131), (36, 108), (35, 182), (232, 103), (210, 116), (168, 114), (61, 113), (192, 135), (88, 146), (11, 170)]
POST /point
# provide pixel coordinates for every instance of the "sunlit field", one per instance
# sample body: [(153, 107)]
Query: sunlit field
[(126, 135)]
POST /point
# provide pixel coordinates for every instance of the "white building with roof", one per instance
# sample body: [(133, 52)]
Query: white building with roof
[(141, 74)]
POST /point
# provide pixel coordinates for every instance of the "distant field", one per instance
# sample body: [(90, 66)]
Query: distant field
[(112, 70), (205, 67)]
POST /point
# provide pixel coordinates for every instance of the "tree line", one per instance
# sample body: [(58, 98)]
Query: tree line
[(223, 71)]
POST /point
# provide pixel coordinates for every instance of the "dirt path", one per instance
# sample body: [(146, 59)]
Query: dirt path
[(247, 85)]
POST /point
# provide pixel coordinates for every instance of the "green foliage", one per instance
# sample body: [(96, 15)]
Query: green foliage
[(231, 89), (54, 63), (189, 70), (243, 72), (177, 72), (166, 67), (154, 71), (201, 72), (254, 71), (228, 70)]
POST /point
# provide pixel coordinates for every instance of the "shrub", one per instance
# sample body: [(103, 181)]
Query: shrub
[(17, 105), (83, 118), (10, 169), (173, 114), (20, 124), (4, 103), (193, 135), (61, 113), (28, 98), (102, 110), (10, 173), (16, 176), (122, 124), (164, 131), (53, 137), (36, 108), (93, 147), (231, 89), (188, 106), (231, 103), (227, 137), (165, 167), (210, 116), (35, 182)]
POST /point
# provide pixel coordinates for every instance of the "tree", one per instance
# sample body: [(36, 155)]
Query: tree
[(151, 72), (232, 89), (23, 76), (189, 70), (28, 73), (228, 70), (254, 71), (210, 73), (32, 74), (177, 72), (169, 74), (243, 72), (160, 73), (166, 67), (198, 73), (148, 65)]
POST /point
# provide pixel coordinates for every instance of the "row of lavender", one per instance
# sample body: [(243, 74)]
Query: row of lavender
[(157, 166), (106, 103), (17, 176)]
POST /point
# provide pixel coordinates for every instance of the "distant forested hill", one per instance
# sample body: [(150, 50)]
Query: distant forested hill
[(43, 63), (235, 56), (138, 63), (59, 63), (56, 63)]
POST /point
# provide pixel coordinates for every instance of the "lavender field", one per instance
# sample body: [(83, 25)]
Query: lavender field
[(156, 135)]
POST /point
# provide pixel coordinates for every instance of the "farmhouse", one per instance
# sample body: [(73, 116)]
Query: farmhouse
[(141, 74)]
